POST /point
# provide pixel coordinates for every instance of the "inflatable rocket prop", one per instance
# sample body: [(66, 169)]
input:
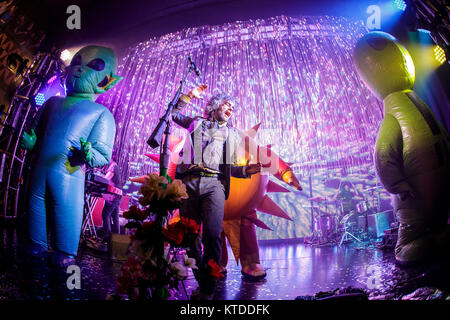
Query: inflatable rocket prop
[(247, 196)]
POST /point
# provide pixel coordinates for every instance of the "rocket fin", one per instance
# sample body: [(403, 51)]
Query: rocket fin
[(275, 187), (258, 222), (140, 179), (232, 230), (270, 207), (253, 131), (154, 157), (173, 142)]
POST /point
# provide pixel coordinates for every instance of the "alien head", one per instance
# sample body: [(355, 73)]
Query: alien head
[(383, 63), (92, 70)]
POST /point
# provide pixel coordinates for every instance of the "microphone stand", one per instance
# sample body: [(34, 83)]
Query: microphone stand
[(164, 126), (155, 140)]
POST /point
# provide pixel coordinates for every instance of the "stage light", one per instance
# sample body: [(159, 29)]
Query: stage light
[(39, 99), (49, 89), (400, 4), (66, 55), (424, 31), (53, 78), (439, 54)]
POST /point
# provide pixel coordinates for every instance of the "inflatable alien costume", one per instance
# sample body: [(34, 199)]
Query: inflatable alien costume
[(412, 155), (72, 132)]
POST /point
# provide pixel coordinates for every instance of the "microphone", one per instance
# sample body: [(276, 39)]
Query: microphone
[(197, 71)]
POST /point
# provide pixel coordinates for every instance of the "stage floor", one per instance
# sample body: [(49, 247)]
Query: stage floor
[(293, 270)]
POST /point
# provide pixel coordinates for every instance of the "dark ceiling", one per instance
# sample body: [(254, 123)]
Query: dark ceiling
[(120, 24)]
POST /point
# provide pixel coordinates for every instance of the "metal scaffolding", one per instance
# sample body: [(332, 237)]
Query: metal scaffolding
[(21, 115)]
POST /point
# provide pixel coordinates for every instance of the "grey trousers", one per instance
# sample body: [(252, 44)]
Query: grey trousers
[(205, 205)]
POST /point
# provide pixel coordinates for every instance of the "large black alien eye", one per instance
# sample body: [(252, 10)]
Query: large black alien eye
[(76, 61), (97, 64), (103, 83)]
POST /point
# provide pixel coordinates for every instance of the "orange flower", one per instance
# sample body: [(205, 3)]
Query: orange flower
[(215, 269)]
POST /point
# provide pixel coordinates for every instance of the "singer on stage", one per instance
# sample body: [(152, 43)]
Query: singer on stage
[(207, 161)]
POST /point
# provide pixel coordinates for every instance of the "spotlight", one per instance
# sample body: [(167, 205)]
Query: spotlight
[(39, 99), (439, 54), (65, 55), (400, 4)]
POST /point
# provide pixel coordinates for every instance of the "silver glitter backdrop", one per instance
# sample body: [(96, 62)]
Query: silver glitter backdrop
[(294, 75)]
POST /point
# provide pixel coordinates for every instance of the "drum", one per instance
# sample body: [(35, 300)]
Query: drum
[(327, 224), (362, 207)]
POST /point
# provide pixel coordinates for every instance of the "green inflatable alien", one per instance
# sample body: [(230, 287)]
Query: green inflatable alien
[(412, 157), (72, 133)]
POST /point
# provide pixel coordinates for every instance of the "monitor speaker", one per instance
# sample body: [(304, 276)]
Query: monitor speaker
[(379, 222)]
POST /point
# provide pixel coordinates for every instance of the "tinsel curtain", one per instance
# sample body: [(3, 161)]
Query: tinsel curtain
[(294, 75)]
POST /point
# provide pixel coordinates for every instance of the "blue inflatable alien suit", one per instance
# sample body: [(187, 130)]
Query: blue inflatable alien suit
[(72, 132)]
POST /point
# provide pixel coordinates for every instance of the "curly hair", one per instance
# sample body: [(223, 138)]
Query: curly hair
[(215, 102)]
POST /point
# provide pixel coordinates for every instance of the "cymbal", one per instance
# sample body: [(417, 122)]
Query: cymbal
[(331, 201), (322, 200), (327, 215), (373, 188), (318, 199)]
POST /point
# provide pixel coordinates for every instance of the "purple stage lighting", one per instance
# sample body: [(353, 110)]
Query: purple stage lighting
[(424, 31), (53, 78), (52, 87), (439, 54), (39, 99), (400, 4), (294, 75)]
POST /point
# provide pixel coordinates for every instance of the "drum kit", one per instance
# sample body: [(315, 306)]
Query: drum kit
[(333, 223)]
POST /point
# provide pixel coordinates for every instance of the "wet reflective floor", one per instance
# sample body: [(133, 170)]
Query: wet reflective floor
[(293, 270)]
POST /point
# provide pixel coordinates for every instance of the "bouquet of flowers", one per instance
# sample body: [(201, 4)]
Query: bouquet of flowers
[(157, 261)]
